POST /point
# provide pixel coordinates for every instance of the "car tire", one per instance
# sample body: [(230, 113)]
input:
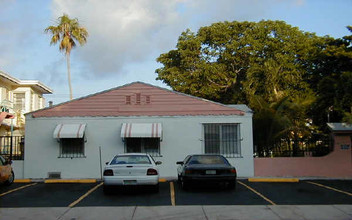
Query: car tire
[(11, 179), (232, 185)]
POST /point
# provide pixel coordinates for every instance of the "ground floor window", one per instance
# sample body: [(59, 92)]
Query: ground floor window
[(71, 147), (222, 139), (143, 145)]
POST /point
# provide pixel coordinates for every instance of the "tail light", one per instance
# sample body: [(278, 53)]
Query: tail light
[(108, 173), (188, 171), (233, 171), (152, 171)]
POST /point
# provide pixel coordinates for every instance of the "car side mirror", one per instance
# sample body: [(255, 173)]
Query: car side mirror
[(158, 162), (106, 163), (179, 162)]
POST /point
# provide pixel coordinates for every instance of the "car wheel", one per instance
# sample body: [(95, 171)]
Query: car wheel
[(10, 180), (232, 185)]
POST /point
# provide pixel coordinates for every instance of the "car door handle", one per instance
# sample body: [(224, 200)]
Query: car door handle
[(129, 166)]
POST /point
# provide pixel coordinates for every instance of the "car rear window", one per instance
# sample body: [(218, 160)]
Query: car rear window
[(131, 159), (211, 159)]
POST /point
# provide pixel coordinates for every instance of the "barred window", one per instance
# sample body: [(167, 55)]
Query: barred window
[(143, 145), (222, 139), (71, 147)]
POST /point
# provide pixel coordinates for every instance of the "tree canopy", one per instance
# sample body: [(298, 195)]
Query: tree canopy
[(230, 62), (67, 32), (291, 79)]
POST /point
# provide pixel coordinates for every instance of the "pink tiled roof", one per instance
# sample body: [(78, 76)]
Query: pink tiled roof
[(137, 99)]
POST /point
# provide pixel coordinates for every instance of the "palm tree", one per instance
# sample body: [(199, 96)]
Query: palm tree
[(67, 31)]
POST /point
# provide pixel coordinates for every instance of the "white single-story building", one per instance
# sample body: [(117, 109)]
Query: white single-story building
[(75, 139)]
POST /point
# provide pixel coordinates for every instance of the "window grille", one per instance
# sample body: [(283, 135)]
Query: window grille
[(71, 147), (222, 139), (143, 145)]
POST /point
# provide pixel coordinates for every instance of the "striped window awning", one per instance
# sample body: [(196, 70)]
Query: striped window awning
[(69, 131), (141, 130)]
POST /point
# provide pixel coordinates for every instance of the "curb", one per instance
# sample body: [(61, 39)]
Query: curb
[(274, 180), (161, 180), (70, 181), (22, 181)]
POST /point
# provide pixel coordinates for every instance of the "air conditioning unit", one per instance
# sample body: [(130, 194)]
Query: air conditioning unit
[(54, 175)]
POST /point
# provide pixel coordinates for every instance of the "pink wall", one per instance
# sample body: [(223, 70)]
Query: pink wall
[(337, 164)]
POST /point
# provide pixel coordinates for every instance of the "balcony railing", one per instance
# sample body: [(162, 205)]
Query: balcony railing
[(12, 148)]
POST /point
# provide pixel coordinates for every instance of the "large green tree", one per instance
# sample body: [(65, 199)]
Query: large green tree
[(232, 62), (67, 32), (263, 64), (331, 79), (285, 119)]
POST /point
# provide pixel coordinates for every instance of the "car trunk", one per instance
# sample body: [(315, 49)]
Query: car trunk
[(130, 170), (213, 169)]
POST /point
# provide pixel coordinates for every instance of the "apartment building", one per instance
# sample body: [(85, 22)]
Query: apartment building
[(19, 97)]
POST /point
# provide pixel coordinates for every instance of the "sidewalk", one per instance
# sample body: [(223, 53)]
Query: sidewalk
[(294, 212)]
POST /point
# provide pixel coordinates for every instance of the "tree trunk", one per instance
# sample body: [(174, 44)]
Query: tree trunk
[(295, 144), (69, 74)]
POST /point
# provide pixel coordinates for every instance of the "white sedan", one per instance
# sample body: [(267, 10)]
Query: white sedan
[(131, 169)]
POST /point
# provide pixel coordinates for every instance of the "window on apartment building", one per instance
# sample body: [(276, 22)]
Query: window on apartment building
[(143, 145), (39, 102), (222, 139), (33, 102), (71, 147), (19, 101)]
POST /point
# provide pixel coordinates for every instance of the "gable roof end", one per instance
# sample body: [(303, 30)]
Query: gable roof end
[(137, 99)]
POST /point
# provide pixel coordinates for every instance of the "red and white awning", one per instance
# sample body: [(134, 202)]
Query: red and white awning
[(141, 130), (69, 131)]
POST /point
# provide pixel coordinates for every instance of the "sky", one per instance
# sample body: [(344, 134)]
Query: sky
[(126, 36)]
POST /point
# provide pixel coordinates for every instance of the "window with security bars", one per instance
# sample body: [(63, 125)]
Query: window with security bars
[(143, 145), (222, 139), (71, 147)]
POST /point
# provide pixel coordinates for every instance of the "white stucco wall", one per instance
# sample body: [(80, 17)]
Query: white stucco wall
[(181, 136), (18, 166)]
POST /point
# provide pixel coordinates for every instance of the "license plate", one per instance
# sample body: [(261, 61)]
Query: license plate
[(130, 182), (210, 172)]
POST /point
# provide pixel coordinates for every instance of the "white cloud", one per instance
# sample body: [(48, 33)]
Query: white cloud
[(124, 32)]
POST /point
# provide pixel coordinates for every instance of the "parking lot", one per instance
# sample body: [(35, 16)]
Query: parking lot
[(307, 192)]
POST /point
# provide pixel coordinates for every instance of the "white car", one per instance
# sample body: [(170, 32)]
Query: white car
[(131, 169)]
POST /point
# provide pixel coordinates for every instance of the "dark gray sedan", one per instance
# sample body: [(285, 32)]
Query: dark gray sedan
[(204, 169)]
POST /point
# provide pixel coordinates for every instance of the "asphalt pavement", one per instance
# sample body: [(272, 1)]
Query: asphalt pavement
[(307, 199)]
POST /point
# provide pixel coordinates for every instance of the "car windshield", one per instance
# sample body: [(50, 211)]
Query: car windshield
[(207, 159), (130, 159)]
